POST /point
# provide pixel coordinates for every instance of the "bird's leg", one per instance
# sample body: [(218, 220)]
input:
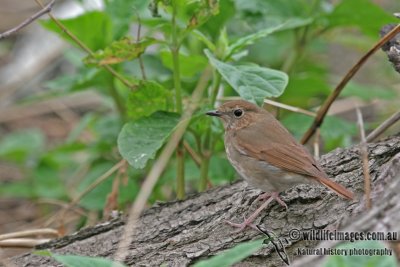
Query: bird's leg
[(251, 218), (274, 195)]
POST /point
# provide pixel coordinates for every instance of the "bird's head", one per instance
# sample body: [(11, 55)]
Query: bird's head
[(237, 114)]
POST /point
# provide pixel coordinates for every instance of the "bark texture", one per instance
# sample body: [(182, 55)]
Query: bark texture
[(181, 233)]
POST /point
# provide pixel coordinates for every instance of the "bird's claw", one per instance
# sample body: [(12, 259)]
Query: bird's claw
[(241, 226)]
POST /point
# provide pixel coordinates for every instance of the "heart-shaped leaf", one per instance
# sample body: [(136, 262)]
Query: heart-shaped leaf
[(139, 140), (251, 82)]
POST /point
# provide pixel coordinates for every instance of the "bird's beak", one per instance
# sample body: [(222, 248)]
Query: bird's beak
[(215, 113)]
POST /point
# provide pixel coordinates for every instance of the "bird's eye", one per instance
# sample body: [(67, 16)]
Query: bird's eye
[(238, 113)]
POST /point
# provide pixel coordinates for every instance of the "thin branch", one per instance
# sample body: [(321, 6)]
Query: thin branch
[(158, 168), (196, 157), (87, 49), (61, 204), (383, 127), (92, 186), (364, 155), (28, 21), (140, 56), (332, 97), (288, 107), (316, 144), (23, 242), (274, 103), (34, 232)]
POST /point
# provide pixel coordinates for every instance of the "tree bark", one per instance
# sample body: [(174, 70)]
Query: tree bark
[(180, 233)]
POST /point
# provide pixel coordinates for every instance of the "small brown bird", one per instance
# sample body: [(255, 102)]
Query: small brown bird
[(266, 155)]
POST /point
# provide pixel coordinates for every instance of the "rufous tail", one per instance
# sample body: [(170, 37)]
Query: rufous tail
[(337, 188)]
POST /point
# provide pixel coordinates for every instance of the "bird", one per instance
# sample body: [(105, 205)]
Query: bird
[(267, 155)]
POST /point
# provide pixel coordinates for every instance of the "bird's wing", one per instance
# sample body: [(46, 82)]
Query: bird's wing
[(290, 156)]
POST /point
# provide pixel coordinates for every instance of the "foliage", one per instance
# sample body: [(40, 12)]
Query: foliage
[(257, 49), (233, 255), (81, 261), (367, 256)]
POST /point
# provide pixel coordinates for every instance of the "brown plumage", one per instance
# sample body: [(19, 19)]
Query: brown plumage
[(266, 154)]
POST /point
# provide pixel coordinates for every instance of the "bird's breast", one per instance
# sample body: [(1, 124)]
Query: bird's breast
[(259, 173)]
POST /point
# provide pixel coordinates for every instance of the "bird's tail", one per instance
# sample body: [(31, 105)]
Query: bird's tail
[(337, 188)]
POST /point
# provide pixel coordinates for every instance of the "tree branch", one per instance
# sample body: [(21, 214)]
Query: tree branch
[(181, 233), (28, 21)]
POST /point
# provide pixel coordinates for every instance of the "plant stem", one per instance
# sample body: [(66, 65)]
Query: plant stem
[(175, 60), (208, 141), (180, 172), (87, 49), (158, 168), (175, 45), (215, 87), (205, 162)]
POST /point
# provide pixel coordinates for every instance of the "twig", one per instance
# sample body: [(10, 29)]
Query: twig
[(34, 232), (276, 104), (137, 41), (98, 181), (23, 242), (157, 169), (180, 172), (328, 102), (316, 144), (291, 108), (88, 100), (92, 186), (28, 21), (87, 49), (383, 127), (60, 204), (196, 158), (364, 155)]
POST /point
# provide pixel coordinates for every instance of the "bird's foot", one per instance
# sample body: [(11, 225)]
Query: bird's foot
[(273, 195), (251, 218), (241, 226)]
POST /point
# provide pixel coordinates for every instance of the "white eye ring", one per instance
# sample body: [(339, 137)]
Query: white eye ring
[(238, 113)]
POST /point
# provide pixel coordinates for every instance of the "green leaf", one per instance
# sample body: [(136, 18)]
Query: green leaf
[(106, 130), (365, 259), (92, 28), (45, 177), (216, 23), (190, 65), (139, 141), (368, 16), (20, 145), (281, 8), (306, 84), (119, 51), (233, 255), (368, 92), (250, 39), (253, 83), (201, 37), (95, 199), (42, 253), (122, 13), (17, 189), (150, 97), (84, 261), (200, 12)]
